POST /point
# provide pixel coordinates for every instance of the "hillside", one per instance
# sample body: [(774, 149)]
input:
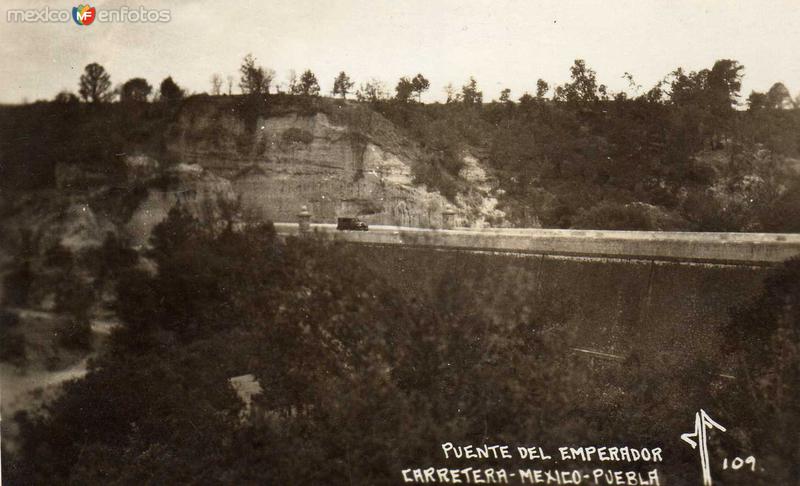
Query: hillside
[(649, 163), (127, 164), (628, 164)]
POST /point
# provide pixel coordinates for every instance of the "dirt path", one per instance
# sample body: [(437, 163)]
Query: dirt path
[(21, 389), (27, 387)]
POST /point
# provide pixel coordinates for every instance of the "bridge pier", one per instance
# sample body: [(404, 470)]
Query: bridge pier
[(448, 219), (304, 220)]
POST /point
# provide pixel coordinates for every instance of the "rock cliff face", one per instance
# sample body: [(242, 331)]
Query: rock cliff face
[(197, 190), (356, 165), (81, 219), (343, 160)]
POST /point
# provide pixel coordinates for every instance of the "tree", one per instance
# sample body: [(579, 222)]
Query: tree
[(291, 83), (419, 84), (583, 88), (372, 91), (342, 85), (170, 91), (66, 98), (308, 85), (724, 83), (404, 89), (135, 90), (778, 97), (470, 93), (94, 84), (255, 80), (635, 88), (526, 99), (230, 85), (452, 95), (687, 88), (216, 84), (541, 89), (757, 101), (505, 96)]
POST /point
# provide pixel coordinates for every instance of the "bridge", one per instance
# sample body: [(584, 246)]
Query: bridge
[(664, 293), (763, 249)]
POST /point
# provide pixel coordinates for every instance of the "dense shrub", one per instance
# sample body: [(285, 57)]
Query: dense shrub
[(764, 340), (75, 334), (614, 216), (74, 299), (90, 137), (12, 344), (362, 376), (17, 285)]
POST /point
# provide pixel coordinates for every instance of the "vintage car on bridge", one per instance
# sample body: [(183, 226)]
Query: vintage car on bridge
[(351, 224)]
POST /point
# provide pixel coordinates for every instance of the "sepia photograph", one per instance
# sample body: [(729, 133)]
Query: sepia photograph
[(373, 242)]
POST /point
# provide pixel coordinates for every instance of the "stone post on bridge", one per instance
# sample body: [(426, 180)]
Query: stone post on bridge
[(448, 219), (304, 220)]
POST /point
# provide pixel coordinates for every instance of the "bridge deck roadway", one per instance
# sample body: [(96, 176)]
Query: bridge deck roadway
[(720, 248)]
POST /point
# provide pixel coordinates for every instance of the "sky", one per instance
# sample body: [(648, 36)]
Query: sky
[(502, 43)]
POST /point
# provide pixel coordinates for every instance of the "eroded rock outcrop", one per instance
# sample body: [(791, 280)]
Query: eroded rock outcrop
[(200, 192), (344, 160), (335, 167)]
